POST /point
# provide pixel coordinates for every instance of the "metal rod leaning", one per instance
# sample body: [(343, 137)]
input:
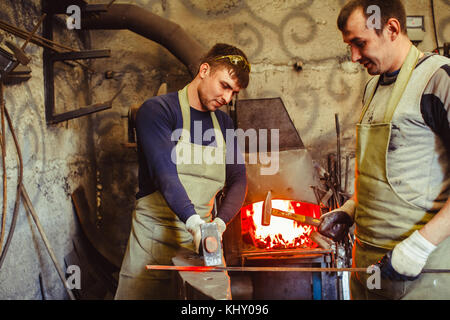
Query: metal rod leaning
[(22, 191), (29, 205), (269, 269), (36, 39), (3, 150)]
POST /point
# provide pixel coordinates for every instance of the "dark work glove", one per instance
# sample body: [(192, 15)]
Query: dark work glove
[(335, 225), (388, 271)]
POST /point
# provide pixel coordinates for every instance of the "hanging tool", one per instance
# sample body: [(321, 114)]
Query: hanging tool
[(338, 153), (268, 212), (332, 182), (3, 150), (347, 159), (13, 71), (19, 53), (40, 41)]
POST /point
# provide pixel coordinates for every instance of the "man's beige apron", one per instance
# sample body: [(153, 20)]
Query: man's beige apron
[(156, 231), (383, 218)]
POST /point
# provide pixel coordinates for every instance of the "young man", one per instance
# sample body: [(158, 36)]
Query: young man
[(184, 161), (401, 205)]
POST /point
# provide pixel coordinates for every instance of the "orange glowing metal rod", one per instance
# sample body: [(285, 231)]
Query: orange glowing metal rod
[(269, 269)]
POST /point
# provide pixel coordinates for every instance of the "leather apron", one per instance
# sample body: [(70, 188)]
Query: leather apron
[(157, 232), (383, 218)]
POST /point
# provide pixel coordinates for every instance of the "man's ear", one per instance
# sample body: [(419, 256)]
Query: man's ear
[(204, 70), (393, 28)]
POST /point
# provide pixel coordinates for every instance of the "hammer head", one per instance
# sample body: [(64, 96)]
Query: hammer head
[(211, 244), (267, 210)]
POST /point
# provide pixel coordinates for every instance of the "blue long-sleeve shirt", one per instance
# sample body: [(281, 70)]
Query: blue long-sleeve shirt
[(156, 120)]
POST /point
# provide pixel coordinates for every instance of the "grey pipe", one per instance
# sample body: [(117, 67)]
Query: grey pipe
[(151, 26)]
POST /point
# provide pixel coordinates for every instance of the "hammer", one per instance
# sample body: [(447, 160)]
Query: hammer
[(268, 212), (211, 246)]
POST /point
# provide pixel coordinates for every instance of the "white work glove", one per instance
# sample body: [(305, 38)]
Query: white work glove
[(221, 226), (407, 259), (410, 256), (193, 226)]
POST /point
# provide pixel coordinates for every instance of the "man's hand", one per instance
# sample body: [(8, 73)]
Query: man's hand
[(335, 224), (407, 259), (221, 226), (193, 226)]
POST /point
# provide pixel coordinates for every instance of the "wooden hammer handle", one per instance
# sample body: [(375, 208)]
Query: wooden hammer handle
[(296, 217)]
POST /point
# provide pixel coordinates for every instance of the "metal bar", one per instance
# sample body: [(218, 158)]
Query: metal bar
[(5, 180), (87, 54), (285, 252), (49, 58), (250, 269), (269, 269), (41, 285), (36, 39), (79, 112), (49, 86), (347, 159), (83, 111), (95, 8), (338, 150)]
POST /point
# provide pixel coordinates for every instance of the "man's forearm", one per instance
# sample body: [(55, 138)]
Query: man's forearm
[(236, 191), (233, 201), (438, 228)]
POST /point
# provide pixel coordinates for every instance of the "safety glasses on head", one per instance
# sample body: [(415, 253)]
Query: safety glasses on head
[(237, 60)]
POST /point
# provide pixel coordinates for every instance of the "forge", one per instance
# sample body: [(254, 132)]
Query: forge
[(281, 233), (284, 242)]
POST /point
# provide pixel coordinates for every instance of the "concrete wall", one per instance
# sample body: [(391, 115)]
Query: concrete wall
[(57, 159), (89, 151)]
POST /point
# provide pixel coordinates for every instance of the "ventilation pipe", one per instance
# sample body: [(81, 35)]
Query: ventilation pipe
[(151, 26)]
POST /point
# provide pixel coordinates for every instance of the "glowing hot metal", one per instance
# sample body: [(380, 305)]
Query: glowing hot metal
[(270, 269)]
